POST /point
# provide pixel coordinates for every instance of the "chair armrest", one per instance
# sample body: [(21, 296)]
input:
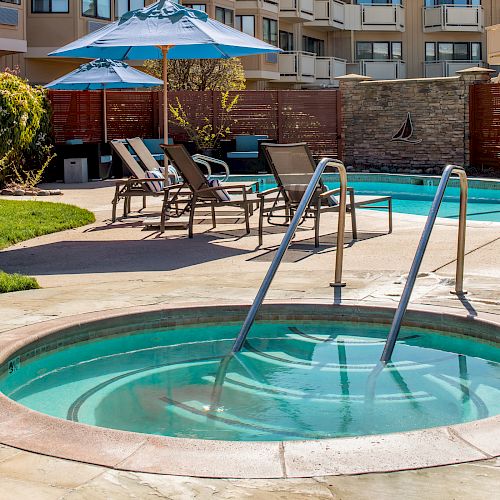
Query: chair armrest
[(263, 194), (336, 191), (173, 186)]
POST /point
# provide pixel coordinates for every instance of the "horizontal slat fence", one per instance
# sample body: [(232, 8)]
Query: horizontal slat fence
[(284, 115), (485, 125)]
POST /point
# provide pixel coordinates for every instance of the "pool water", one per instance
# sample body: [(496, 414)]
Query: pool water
[(292, 381), (483, 204)]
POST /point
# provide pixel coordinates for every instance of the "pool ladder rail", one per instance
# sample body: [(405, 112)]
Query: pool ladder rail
[(419, 255), (304, 203), (417, 261)]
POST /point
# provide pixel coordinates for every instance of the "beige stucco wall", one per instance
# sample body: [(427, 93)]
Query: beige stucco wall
[(493, 35)]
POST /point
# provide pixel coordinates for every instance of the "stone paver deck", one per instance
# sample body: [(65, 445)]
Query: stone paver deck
[(103, 266)]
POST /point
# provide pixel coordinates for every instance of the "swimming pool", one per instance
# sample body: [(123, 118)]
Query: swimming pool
[(414, 194), (445, 370)]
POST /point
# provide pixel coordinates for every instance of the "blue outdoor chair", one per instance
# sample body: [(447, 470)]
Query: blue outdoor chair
[(247, 157)]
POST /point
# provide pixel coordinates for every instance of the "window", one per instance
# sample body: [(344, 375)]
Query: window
[(453, 3), (453, 51), (286, 40), (17, 2), (224, 15), (313, 45), (245, 24), (379, 51), (196, 6), (270, 31), (100, 9), (49, 6), (124, 6), (379, 2)]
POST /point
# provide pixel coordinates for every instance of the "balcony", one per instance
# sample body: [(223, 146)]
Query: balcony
[(328, 14), (297, 67), (268, 5), (436, 69), (379, 69), (328, 69), (374, 17), (12, 30), (297, 10), (453, 18)]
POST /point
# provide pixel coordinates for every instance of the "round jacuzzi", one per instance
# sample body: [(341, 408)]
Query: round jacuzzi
[(307, 373)]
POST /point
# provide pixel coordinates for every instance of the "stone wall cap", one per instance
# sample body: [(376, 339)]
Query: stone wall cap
[(353, 77), (415, 80), (475, 71)]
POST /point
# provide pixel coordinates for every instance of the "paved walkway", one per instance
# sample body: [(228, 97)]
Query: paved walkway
[(106, 266)]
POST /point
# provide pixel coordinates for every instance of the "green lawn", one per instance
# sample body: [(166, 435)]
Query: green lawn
[(23, 220)]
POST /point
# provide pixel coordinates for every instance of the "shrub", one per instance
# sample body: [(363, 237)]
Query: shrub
[(206, 136), (26, 148)]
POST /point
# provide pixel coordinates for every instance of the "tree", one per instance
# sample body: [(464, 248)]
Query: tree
[(200, 74)]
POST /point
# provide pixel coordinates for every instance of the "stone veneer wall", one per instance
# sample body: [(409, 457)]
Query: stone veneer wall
[(373, 111)]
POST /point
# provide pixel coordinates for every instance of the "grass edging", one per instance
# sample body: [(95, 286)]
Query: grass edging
[(16, 282)]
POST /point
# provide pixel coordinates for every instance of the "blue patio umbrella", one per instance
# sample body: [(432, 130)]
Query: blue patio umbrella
[(165, 30), (103, 74)]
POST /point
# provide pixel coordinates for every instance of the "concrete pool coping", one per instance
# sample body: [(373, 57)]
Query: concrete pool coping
[(32, 431)]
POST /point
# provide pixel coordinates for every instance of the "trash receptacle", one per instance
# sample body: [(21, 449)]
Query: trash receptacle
[(75, 170)]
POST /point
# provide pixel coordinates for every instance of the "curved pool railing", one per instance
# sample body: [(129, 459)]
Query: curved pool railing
[(419, 255), (304, 203)]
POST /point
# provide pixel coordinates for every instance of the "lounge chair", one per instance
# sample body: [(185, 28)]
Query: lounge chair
[(142, 184), (293, 167), (150, 163), (203, 194)]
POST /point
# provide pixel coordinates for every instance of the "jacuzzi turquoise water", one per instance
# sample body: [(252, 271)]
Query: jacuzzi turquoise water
[(293, 380), (414, 194)]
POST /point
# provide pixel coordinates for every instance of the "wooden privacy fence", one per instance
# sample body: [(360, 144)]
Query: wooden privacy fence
[(485, 125), (284, 115)]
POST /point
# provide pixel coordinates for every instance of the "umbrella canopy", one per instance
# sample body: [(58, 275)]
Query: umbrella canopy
[(104, 74), (190, 34), (165, 30)]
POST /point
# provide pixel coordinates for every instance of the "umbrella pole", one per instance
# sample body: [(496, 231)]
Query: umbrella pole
[(164, 50), (104, 115)]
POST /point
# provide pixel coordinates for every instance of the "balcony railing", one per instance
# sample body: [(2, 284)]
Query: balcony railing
[(269, 5), (297, 10), (329, 14), (328, 69), (454, 18), (379, 69), (379, 17), (297, 67), (435, 69)]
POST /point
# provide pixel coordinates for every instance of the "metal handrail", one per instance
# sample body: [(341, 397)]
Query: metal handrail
[(304, 203), (206, 160), (424, 239)]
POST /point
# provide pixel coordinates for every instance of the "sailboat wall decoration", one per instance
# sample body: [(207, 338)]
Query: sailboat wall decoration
[(405, 133)]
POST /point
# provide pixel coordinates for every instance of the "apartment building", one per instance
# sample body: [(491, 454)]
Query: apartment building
[(50, 24), (321, 39)]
